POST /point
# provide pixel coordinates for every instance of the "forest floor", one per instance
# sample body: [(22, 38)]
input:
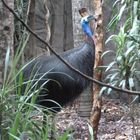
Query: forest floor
[(118, 122)]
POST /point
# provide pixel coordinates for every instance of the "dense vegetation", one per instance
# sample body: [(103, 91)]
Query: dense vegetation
[(124, 68)]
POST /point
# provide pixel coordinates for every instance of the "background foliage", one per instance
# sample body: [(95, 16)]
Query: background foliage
[(124, 68)]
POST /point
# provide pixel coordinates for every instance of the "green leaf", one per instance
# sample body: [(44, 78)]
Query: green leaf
[(64, 136), (14, 129), (132, 59), (113, 76), (119, 58), (109, 90), (133, 66), (108, 76), (129, 51), (7, 59), (90, 132), (121, 11), (138, 53), (106, 52), (123, 84), (110, 66), (115, 3), (15, 138), (135, 8), (110, 38), (102, 90), (131, 83), (113, 22)]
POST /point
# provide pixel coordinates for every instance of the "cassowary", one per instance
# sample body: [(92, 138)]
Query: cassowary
[(57, 83)]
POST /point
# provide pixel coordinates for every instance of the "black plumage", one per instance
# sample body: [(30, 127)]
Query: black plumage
[(57, 81)]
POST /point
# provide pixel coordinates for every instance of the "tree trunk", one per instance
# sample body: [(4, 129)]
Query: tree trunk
[(97, 101), (6, 34), (61, 24), (30, 50), (6, 40), (42, 27), (38, 21)]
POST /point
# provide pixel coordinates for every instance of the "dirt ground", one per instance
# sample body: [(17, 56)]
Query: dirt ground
[(118, 122)]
